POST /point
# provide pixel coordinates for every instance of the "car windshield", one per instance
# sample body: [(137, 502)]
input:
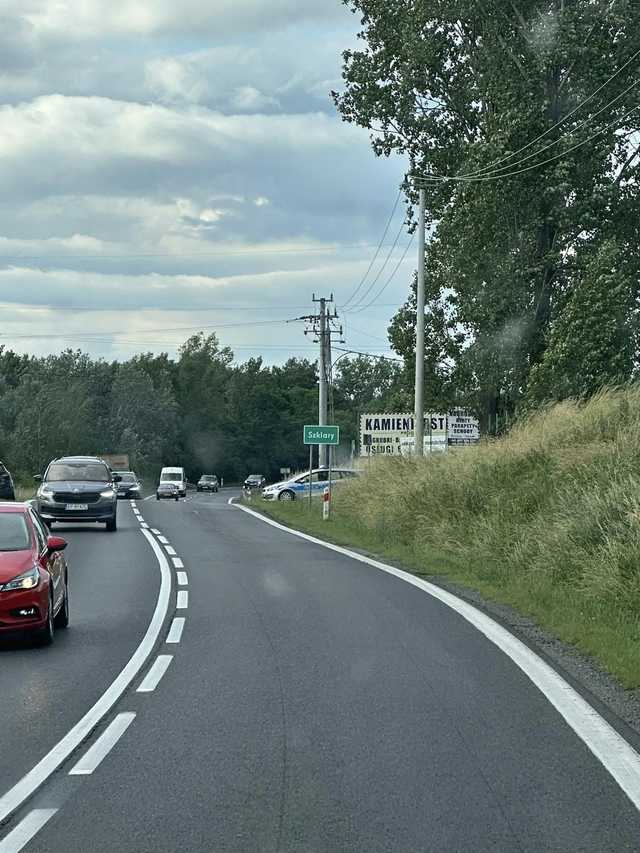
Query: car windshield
[(254, 477), (170, 477), (127, 477), (14, 533), (207, 478), (92, 472)]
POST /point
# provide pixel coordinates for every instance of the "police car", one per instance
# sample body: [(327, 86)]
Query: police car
[(298, 486)]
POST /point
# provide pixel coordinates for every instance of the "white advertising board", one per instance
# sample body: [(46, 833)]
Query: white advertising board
[(463, 428), (393, 434)]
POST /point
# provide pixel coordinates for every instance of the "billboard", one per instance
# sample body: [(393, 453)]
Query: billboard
[(386, 434), (464, 428), (393, 434)]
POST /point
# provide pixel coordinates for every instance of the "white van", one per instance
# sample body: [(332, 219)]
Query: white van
[(177, 476)]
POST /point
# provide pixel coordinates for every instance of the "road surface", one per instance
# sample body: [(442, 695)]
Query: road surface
[(308, 703)]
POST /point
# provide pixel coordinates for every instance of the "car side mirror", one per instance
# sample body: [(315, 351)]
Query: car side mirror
[(117, 478), (56, 543), (37, 478)]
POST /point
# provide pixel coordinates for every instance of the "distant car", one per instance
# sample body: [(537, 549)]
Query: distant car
[(298, 486), (177, 476), (128, 486), (168, 490), (7, 490), (255, 481), (78, 489), (208, 483), (34, 590)]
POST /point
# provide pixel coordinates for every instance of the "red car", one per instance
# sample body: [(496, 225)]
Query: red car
[(34, 593)]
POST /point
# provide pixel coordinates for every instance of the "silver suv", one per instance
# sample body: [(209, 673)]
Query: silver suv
[(78, 489)]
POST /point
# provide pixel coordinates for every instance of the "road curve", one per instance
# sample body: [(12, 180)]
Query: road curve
[(315, 704)]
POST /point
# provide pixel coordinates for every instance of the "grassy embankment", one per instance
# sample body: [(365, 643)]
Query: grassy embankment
[(546, 520)]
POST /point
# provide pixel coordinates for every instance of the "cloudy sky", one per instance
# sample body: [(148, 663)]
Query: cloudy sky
[(174, 165)]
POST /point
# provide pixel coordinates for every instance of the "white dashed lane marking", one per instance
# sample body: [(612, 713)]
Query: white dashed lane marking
[(163, 539), (94, 756), (177, 563), (183, 600), (152, 678), (175, 632), (183, 580), (170, 550)]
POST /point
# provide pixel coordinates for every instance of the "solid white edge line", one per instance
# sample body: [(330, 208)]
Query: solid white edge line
[(170, 550), (28, 827), (153, 677), (96, 754), (615, 754), (175, 632), (177, 563), (183, 580), (29, 783), (183, 600)]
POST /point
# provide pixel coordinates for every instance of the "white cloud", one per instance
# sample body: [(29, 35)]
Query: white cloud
[(86, 18), (157, 155), (250, 99)]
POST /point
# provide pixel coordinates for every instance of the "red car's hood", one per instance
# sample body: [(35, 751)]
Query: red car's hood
[(14, 563)]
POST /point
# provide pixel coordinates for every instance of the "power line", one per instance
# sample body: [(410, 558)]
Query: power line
[(366, 334), (377, 252), (126, 256), (85, 336), (461, 178), (582, 124), (357, 304), (361, 308), (490, 166), (370, 355)]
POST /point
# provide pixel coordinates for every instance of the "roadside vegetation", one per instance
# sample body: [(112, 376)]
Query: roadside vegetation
[(546, 519)]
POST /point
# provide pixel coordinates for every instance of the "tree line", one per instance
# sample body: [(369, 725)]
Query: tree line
[(201, 410)]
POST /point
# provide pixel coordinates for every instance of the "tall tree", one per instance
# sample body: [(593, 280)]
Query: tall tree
[(513, 113)]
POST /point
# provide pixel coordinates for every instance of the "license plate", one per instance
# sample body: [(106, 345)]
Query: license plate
[(77, 507)]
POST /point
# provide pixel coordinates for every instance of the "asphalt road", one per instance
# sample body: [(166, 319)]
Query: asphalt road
[(113, 585), (312, 704)]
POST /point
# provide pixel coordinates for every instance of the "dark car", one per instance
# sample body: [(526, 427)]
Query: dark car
[(34, 593), (208, 483), (7, 491), (255, 481), (167, 489), (129, 485), (78, 489)]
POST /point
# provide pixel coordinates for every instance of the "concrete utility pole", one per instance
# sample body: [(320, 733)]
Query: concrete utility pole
[(321, 326), (419, 388), (323, 396)]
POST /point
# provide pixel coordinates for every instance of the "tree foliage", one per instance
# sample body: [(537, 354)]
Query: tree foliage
[(201, 410), (513, 104)]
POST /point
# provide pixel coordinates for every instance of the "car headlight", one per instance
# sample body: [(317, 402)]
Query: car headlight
[(135, 488), (28, 580), (108, 493), (46, 493)]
